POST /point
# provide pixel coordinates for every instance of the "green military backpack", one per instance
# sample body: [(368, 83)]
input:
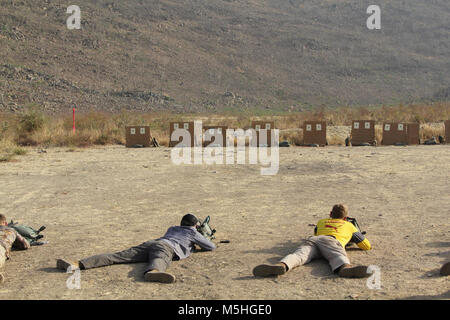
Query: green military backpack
[(206, 230), (31, 235)]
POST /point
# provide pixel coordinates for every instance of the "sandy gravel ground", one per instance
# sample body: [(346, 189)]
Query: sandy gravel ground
[(107, 199)]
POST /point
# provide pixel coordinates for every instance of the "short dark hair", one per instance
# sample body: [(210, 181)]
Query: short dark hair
[(189, 220), (2, 218), (339, 211)]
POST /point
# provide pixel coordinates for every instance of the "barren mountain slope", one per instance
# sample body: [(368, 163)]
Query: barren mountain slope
[(189, 55)]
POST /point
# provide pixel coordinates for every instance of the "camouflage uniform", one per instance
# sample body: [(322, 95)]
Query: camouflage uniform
[(10, 238)]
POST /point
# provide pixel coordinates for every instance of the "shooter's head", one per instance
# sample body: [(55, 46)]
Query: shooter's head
[(339, 211), (189, 220), (3, 220)]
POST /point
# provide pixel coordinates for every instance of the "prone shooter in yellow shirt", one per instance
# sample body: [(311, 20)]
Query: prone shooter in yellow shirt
[(330, 238)]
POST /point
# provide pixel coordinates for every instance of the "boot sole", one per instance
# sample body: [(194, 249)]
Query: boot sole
[(266, 270), (354, 272), (62, 264), (445, 270), (162, 277)]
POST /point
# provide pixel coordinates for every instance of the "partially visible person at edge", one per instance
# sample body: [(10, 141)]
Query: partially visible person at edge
[(9, 238)]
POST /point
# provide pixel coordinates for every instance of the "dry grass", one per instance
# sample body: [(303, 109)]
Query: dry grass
[(335, 140), (428, 131), (33, 128), (9, 151), (378, 134), (294, 136)]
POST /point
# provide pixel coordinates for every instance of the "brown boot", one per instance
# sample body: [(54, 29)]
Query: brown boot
[(157, 276), (348, 271), (63, 264), (267, 270), (445, 270)]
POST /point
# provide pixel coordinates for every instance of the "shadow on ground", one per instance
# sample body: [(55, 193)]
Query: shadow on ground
[(445, 295)]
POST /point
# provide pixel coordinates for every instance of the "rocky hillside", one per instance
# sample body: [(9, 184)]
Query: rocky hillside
[(217, 55)]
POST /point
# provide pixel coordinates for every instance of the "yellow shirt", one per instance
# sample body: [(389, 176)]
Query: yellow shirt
[(343, 231)]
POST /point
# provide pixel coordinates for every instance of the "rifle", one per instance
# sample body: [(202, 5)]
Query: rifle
[(356, 224), (205, 229)]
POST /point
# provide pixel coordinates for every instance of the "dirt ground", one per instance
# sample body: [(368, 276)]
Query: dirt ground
[(107, 199)]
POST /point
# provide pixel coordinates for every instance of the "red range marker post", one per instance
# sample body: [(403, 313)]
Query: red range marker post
[(73, 118)]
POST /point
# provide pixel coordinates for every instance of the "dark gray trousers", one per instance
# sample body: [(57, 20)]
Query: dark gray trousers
[(157, 253)]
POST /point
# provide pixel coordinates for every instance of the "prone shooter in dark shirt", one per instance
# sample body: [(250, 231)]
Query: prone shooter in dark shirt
[(178, 243)]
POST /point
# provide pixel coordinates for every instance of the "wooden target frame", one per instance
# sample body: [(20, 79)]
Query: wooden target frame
[(315, 132), (412, 133), (394, 133), (264, 125), (400, 133), (363, 131), (137, 135), (187, 125), (221, 129)]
